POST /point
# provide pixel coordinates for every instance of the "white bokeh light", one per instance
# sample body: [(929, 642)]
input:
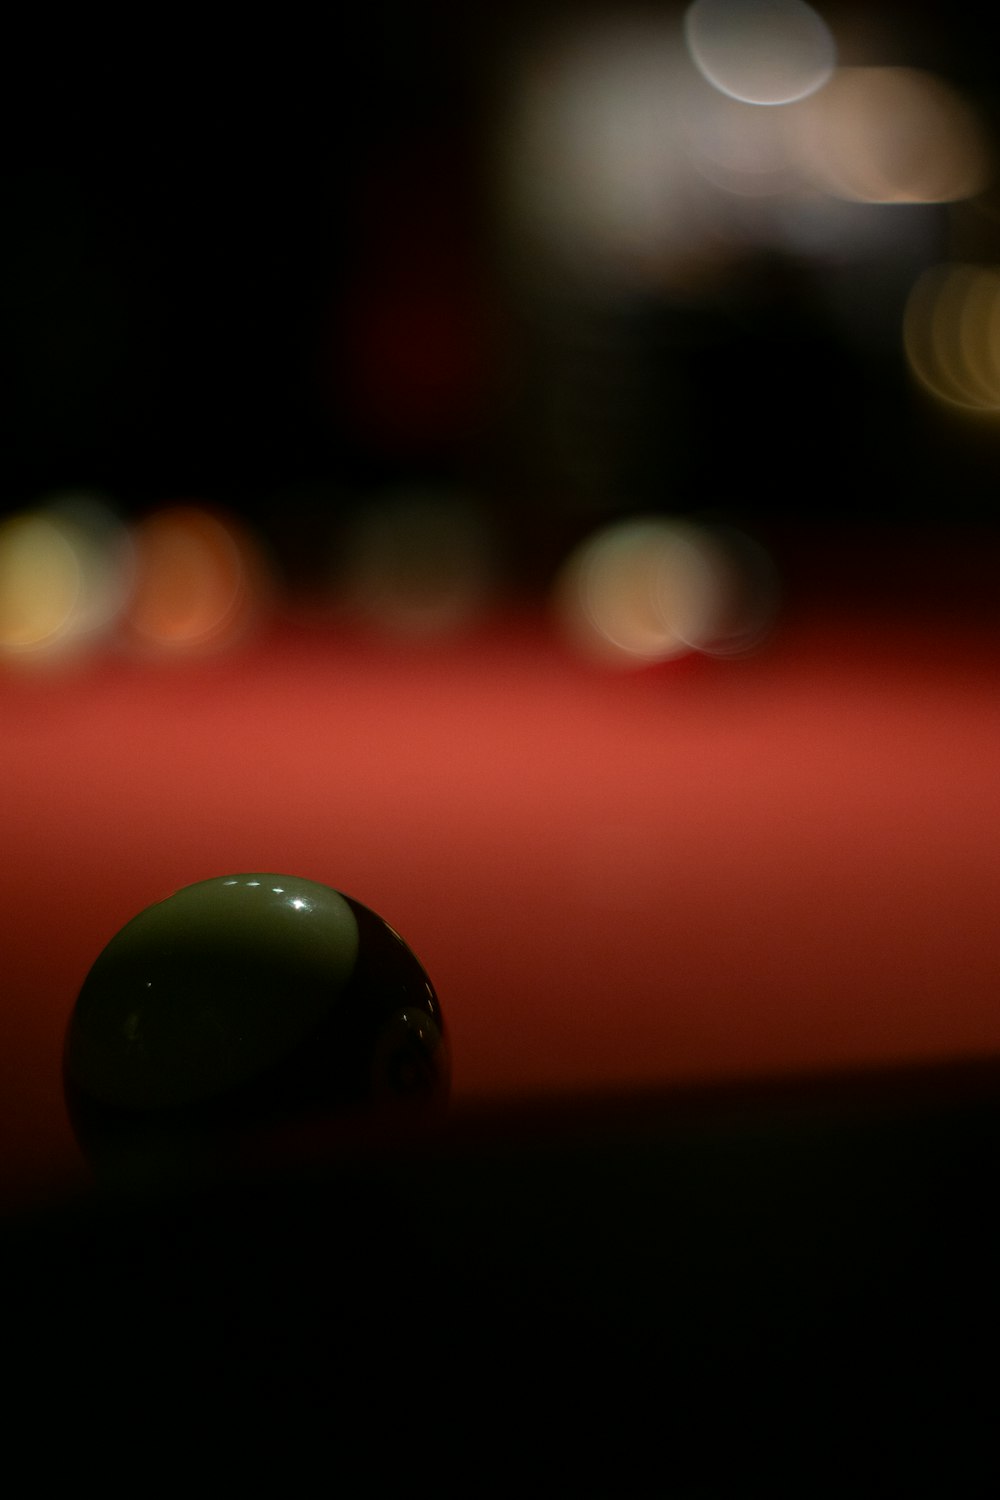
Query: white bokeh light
[(760, 51), (652, 588)]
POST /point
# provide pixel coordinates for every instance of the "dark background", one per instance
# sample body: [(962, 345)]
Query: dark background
[(193, 216), (255, 264)]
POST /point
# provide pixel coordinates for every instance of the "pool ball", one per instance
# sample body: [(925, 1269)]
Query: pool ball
[(240, 1005)]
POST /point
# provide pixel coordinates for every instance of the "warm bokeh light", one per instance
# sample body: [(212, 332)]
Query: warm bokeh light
[(760, 51), (416, 564), (39, 582), (892, 135), (951, 335), (65, 570), (652, 588), (200, 581)]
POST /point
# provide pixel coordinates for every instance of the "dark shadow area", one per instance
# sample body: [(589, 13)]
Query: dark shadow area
[(791, 1282)]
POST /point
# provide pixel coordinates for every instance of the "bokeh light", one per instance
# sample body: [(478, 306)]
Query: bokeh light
[(747, 592), (623, 165), (39, 582), (951, 335), (104, 552), (593, 168), (653, 588), (65, 572), (201, 581), (739, 150), (892, 135), (760, 51), (416, 564)]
